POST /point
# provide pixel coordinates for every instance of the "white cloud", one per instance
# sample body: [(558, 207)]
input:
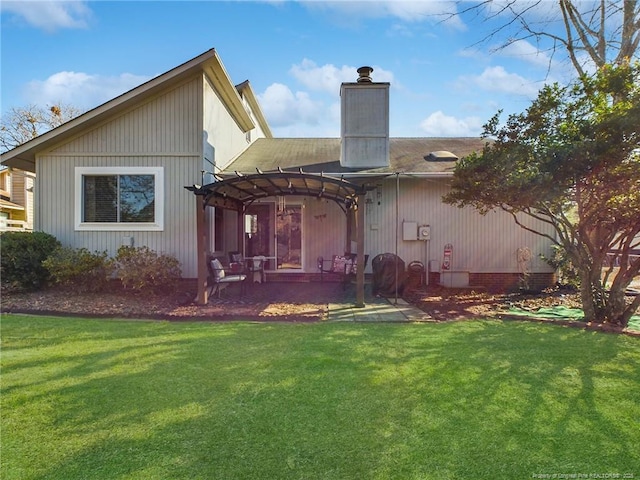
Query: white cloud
[(283, 107), (406, 10), (440, 125), (79, 89), (327, 78), (497, 79), (314, 112), (50, 15)]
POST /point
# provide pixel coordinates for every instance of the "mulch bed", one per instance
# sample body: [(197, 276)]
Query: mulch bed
[(285, 303), (444, 304), (175, 305)]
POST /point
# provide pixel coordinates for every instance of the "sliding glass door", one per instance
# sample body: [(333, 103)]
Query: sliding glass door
[(275, 231), (289, 237)]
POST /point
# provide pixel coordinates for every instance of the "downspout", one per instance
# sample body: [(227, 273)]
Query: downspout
[(395, 301), (360, 221)]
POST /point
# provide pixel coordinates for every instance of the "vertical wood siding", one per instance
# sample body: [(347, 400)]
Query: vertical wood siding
[(178, 238), (324, 230), (164, 125), (220, 130), (483, 244), (165, 132)]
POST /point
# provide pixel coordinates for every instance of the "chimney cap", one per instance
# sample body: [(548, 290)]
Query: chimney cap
[(365, 74)]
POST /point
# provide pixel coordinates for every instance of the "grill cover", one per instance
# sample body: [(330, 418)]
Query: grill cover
[(384, 274)]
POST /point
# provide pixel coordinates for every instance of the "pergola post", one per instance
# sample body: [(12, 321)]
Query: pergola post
[(201, 233), (240, 231), (360, 219)]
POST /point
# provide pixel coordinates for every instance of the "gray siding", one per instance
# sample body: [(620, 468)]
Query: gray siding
[(167, 124), (165, 132), (171, 131), (178, 238), (223, 140), (481, 244), (222, 133)]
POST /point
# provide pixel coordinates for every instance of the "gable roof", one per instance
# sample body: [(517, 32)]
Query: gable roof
[(315, 155), (209, 63)]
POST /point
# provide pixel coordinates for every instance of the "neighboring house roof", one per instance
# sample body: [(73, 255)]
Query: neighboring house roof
[(5, 204), (315, 155), (209, 63)]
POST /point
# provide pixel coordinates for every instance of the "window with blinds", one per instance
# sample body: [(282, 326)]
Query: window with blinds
[(119, 198), (108, 197)]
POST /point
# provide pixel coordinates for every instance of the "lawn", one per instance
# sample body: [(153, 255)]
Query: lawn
[(108, 399)]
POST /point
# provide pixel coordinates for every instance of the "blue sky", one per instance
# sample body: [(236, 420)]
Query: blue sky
[(295, 54)]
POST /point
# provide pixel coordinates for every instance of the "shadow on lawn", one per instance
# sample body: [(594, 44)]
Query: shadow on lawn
[(513, 402), (463, 400)]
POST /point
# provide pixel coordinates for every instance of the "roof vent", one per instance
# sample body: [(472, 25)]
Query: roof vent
[(441, 156), (365, 75)]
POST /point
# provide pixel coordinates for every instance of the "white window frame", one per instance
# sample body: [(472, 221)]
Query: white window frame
[(157, 172)]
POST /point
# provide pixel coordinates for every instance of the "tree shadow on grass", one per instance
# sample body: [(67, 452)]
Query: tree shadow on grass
[(458, 400), (508, 401)]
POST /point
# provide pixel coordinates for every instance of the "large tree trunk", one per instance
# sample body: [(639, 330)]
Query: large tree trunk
[(591, 293), (601, 305)]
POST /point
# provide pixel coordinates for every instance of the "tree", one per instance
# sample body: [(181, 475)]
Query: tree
[(21, 124), (572, 160), (593, 33)]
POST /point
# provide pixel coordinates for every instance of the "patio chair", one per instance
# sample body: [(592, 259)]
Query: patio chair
[(344, 265), (219, 279), (255, 267), (237, 263)]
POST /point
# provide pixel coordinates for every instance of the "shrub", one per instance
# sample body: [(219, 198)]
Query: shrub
[(142, 269), (568, 274), (22, 256), (79, 268)]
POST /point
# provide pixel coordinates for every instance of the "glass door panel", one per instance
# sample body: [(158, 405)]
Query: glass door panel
[(258, 232), (289, 237)]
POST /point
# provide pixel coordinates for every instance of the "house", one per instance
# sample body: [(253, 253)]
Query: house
[(126, 173), (115, 175), (16, 200)]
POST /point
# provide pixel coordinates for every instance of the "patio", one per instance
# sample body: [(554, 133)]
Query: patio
[(327, 300)]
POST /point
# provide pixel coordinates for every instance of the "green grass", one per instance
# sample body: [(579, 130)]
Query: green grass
[(98, 399)]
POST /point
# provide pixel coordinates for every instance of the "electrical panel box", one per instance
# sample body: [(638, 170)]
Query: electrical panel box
[(127, 242), (409, 230), (424, 232)]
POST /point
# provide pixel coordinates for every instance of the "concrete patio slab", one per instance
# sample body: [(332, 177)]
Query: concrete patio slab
[(375, 310), (338, 301)]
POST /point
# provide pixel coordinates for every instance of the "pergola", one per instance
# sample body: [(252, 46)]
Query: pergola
[(237, 191)]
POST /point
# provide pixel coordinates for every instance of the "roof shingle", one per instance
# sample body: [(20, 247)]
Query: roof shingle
[(315, 155)]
